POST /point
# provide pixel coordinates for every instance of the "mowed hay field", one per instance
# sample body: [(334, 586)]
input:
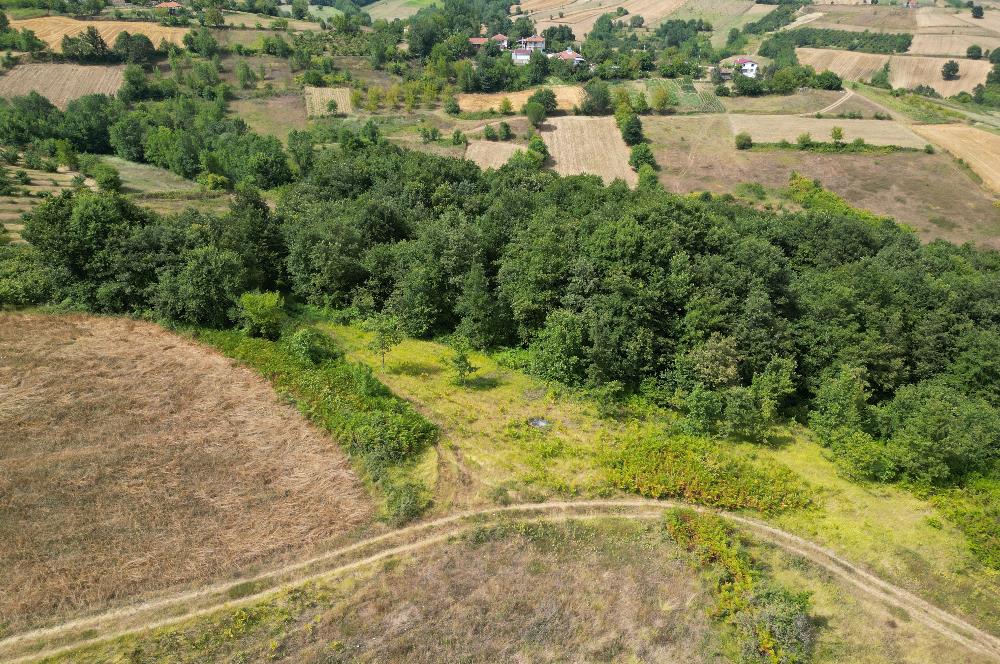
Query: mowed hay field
[(979, 149), (133, 460), (950, 45), (775, 128), (579, 144), (904, 71), (580, 15), (491, 154), (61, 83), (567, 96), (51, 30), (391, 9), (318, 98)]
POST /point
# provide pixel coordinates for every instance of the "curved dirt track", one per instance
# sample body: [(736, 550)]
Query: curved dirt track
[(48, 641)]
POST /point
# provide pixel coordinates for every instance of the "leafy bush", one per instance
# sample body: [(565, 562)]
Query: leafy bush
[(262, 314), (312, 346), (641, 154), (25, 278), (743, 141)]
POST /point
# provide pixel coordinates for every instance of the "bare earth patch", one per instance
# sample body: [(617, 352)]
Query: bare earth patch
[(132, 460), (61, 83), (580, 144)]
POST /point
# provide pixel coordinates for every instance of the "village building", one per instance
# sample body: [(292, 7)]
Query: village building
[(746, 67), (534, 43), (569, 55), (498, 39), (170, 6), (521, 56)]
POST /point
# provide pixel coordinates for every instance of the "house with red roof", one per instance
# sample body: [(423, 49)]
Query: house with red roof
[(521, 56), (569, 55), (498, 39), (746, 66), (534, 42), (170, 6)]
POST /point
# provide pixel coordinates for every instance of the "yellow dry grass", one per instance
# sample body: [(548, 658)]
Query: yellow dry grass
[(133, 460), (51, 29), (491, 154), (581, 15), (567, 96), (580, 144), (979, 149), (774, 128), (61, 83), (318, 98), (950, 45), (905, 71)]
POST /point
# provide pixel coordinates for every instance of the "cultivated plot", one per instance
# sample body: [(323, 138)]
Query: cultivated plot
[(979, 149), (776, 128), (905, 71), (950, 45), (567, 96), (135, 460), (592, 145), (318, 100), (392, 9), (580, 15), (274, 116), (61, 83), (52, 29), (491, 154)]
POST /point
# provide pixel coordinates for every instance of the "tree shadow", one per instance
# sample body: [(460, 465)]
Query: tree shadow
[(414, 369), (482, 383)]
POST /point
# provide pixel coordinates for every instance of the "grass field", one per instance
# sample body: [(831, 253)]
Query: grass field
[(904, 71), (580, 15), (392, 9), (579, 144), (61, 83), (775, 128), (274, 116), (979, 149), (27, 196), (277, 73), (145, 178), (876, 18), (135, 460), (567, 96), (807, 100), (51, 29), (248, 20), (929, 193), (318, 98), (172, 202), (491, 154), (724, 15)]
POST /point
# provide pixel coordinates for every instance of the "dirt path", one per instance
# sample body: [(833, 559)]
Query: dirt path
[(33, 645), (847, 95)]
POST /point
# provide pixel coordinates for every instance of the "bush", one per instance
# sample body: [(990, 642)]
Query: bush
[(312, 346), (25, 278), (505, 134), (489, 133), (743, 141), (641, 154), (262, 314), (535, 112), (547, 98)]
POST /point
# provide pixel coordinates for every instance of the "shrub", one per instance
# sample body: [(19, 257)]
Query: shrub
[(312, 346), (547, 98), (262, 314), (489, 133), (505, 134), (743, 141), (641, 154), (451, 106), (535, 112)]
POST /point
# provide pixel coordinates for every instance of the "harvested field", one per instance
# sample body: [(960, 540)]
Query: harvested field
[(856, 17), (274, 116), (248, 20), (581, 15), (696, 153), (579, 144), (391, 9), (133, 460), (950, 45), (775, 128), (805, 100), (979, 149), (318, 98), (61, 83), (51, 30), (567, 96), (904, 71), (722, 14), (491, 154)]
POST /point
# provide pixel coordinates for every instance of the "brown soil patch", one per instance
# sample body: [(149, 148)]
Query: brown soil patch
[(580, 144), (132, 460), (51, 30), (61, 83)]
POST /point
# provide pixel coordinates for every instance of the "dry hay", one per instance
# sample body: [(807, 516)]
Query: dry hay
[(567, 96), (61, 83), (775, 128), (51, 30), (133, 460), (978, 148), (579, 144), (318, 98), (950, 45), (581, 15), (876, 18), (491, 154), (905, 71), (248, 20)]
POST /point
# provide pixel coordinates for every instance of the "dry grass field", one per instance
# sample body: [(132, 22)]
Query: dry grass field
[(133, 460), (392, 9), (579, 144), (949, 44), (775, 128), (581, 15), (979, 149), (927, 192), (318, 98), (567, 96), (805, 100), (275, 116), (247, 20), (904, 71), (491, 154), (722, 14), (876, 18), (61, 83), (51, 29)]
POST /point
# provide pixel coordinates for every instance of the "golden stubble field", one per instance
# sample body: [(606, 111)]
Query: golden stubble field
[(61, 83), (491, 154), (775, 128), (580, 15), (318, 98), (979, 149), (133, 460), (581, 144), (567, 96), (51, 30)]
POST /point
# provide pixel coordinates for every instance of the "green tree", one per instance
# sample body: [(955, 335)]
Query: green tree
[(262, 314), (300, 9), (743, 141), (535, 112), (459, 361), (977, 11), (837, 134), (949, 71), (641, 154), (386, 335), (245, 76), (506, 108), (631, 129), (597, 98), (974, 52), (547, 98)]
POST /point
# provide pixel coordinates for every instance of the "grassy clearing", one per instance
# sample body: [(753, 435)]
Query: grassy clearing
[(392, 9), (915, 107), (135, 461), (273, 116), (144, 178), (172, 202)]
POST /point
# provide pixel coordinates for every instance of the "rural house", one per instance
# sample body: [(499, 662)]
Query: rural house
[(499, 40), (747, 67), (533, 43), (170, 6), (521, 56), (569, 55)]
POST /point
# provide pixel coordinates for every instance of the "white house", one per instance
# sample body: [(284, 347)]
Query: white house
[(747, 67), (534, 43), (521, 56), (569, 55)]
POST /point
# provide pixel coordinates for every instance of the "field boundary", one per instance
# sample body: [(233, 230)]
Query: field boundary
[(36, 644)]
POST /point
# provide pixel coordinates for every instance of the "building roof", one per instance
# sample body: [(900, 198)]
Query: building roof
[(168, 5), (499, 37), (522, 51), (478, 41), (568, 54), (743, 61), (533, 39)]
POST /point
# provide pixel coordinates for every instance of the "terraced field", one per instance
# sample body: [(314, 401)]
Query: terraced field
[(52, 29)]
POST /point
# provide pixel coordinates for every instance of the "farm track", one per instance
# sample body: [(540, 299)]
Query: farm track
[(162, 612), (847, 95)]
